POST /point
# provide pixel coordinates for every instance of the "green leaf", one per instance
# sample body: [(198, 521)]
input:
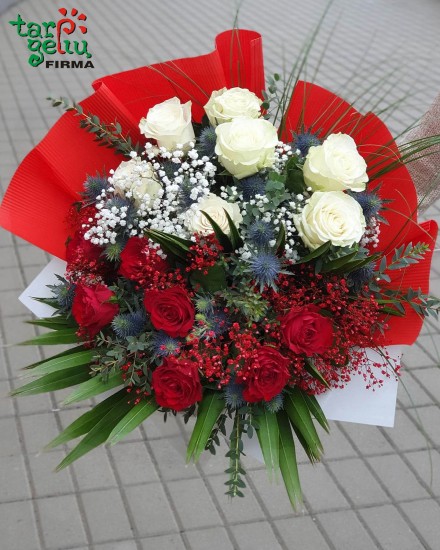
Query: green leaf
[(236, 240), (294, 177), (98, 434), (212, 282), (94, 386), (288, 464), (62, 354), (222, 238), (54, 323), (88, 420), (132, 419), (299, 414), (281, 240), (313, 371), (316, 411), (315, 254), (63, 336), (209, 410), (54, 381), (338, 263), (268, 436), (65, 362), (171, 244)]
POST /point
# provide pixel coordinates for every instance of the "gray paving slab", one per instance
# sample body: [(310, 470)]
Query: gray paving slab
[(377, 488)]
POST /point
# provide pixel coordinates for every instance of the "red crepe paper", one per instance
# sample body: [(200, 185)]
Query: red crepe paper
[(51, 176)]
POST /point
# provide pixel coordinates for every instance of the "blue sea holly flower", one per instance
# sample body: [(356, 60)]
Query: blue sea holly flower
[(94, 186), (207, 140), (164, 345), (265, 267), (360, 277), (251, 186), (129, 324), (304, 141), (261, 233), (234, 395), (370, 203)]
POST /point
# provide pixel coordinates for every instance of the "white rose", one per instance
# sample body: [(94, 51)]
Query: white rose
[(169, 123), (330, 216), (246, 145), (224, 105), (138, 178), (335, 165), (215, 207)]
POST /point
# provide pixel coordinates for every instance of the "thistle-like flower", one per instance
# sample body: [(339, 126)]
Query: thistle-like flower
[(304, 141), (129, 324), (234, 395), (207, 140), (252, 186), (265, 268), (94, 186), (163, 345), (360, 277), (370, 203), (275, 404), (261, 233)]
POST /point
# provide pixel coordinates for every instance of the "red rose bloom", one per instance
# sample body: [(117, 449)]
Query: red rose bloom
[(91, 308), (171, 310), (267, 377), (176, 384), (307, 331), (137, 258)]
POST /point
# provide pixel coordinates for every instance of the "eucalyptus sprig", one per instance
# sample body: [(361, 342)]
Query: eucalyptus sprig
[(110, 135)]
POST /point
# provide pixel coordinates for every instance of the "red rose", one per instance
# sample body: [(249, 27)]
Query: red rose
[(80, 251), (91, 308), (171, 310), (268, 375), (307, 331), (137, 259), (176, 384)]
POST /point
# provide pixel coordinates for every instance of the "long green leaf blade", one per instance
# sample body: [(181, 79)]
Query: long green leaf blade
[(222, 238), (299, 414), (62, 354), (65, 362), (288, 464), (209, 410), (86, 421), (316, 411), (94, 386), (54, 381), (98, 434), (63, 336), (268, 437), (132, 419)]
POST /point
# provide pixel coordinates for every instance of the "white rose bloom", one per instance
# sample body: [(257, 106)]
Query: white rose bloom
[(330, 216), (137, 177), (169, 123), (246, 145), (335, 165), (226, 104), (215, 207)]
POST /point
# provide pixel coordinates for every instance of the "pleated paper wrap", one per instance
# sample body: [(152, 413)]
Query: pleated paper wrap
[(49, 179), (425, 172)]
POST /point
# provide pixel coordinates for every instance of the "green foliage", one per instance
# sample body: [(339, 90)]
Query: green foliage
[(268, 437), (208, 413), (132, 419), (287, 457), (248, 302), (94, 386), (55, 381), (213, 281), (109, 135), (235, 471)]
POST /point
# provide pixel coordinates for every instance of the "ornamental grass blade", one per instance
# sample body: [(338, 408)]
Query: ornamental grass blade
[(83, 358), (268, 437), (88, 420), (208, 412), (63, 336), (316, 411), (299, 414), (132, 419), (54, 381), (98, 434), (288, 464), (236, 240), (94, 386)]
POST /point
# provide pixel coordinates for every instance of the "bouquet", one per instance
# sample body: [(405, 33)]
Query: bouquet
[(238, 256)]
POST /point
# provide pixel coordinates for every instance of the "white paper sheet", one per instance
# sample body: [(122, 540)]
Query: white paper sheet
[(38, 288), (354, 403)]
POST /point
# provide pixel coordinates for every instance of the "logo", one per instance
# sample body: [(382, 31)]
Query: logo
[(49, 38)]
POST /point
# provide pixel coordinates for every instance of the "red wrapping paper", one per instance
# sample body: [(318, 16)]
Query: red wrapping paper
[(49, 179)]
